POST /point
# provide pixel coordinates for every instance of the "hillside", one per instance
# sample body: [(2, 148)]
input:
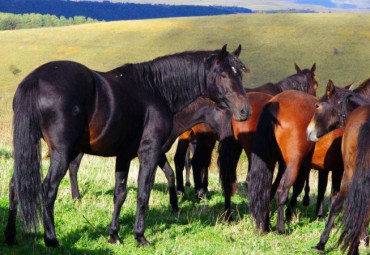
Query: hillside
[(114, 11), (338, 43)]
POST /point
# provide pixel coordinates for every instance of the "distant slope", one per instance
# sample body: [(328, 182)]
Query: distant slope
[(113, 11), (268, 5)]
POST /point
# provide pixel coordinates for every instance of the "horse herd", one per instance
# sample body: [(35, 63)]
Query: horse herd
[(139, 110)]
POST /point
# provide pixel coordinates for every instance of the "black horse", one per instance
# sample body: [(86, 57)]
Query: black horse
[(126, 112)]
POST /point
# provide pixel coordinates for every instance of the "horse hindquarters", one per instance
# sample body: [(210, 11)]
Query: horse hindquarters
[(357, 205)]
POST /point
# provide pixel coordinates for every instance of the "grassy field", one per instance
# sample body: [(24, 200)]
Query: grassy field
[(338, 43)]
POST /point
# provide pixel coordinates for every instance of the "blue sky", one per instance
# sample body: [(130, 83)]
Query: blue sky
[(362, 4)]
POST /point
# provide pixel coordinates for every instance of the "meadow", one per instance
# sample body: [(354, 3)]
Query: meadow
[(338, 43)]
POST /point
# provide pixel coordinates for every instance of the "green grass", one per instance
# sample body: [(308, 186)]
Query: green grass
[(82, 227), (271, 45)]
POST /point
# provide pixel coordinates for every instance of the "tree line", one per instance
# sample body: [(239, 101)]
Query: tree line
[(9, 21)]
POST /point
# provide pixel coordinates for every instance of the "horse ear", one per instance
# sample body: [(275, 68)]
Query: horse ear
[(330, 88), (223, 52), (297, 68), (238, 50), (313, 68), (350, 86)]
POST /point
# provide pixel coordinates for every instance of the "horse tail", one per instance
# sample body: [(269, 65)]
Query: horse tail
[(229, 151), (357, 206), (262, 165), (27, 151)]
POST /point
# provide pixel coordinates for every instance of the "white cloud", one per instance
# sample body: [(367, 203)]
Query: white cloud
[(357, 3)]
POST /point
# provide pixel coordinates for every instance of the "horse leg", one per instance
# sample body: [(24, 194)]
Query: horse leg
[(179, 159), (73, 169), (335, 208), (200, 163), (119, 197), (297, 189), (323, 182), (170, 176), (288, 179), (149, 157), (10, 230), (188, 163), (60, 159), (306, 198), (277, 180), (229, 152)]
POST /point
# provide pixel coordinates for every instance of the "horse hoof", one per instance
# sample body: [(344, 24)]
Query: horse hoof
[(113, 240), (306, 201), (10, 236), (288, 215), (320, 218), (141, 241), (180, 192), (187, 184), (200, 194), (51, 243), (318, 248), (175, 210)]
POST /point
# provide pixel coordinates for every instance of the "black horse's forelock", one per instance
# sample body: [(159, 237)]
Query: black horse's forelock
[(297, 81), (180, 75)]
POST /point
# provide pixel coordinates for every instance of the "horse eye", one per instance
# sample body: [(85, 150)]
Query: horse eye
[(224, 75), (317, 106)]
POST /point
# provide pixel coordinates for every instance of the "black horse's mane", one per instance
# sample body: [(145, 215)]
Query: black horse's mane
[(298, 81), (181, 76)]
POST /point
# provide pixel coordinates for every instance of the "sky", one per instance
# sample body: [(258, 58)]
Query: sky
[(360, 4)]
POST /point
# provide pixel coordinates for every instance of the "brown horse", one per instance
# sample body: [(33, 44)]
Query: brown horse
[(339, 107), (297, 154), (303, 80)]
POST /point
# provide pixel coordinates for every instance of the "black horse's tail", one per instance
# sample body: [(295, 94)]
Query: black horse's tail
[(357, 206), (26, 139), (229, 151), (262, 165)]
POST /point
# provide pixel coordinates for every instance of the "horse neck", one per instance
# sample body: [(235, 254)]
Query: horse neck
[(294, 82), (195, 113), (178, 79)]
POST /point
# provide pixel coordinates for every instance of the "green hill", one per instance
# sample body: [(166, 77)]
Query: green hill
[(338, 43)]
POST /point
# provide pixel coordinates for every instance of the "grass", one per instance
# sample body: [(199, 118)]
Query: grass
[(271, 45)]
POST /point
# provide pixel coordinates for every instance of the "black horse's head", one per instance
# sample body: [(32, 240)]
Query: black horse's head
[(225, 83), (331, 111), (305, 79)]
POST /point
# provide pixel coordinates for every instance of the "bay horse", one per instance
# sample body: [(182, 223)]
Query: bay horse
[(288, 140), (350, 110), (125, 112), (303, 80)]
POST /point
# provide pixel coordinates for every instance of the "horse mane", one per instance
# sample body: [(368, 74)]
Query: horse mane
[(296, 81), (177, 78), (364, 89)]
